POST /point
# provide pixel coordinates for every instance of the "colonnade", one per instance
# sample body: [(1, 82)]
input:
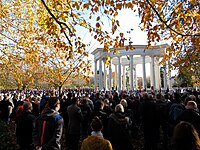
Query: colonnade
[(120, 64)]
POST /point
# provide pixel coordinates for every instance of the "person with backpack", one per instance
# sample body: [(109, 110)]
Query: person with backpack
[(48, 127)]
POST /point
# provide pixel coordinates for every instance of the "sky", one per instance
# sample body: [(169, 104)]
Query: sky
[(129, 21)]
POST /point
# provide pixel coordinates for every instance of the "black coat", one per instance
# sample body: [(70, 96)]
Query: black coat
[(4, 109), (118, 132), (104, 118), (192, 117), (24, 128), (150, 121), (75, 118)]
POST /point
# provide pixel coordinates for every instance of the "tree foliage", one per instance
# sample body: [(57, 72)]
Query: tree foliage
[(183, 80), (40, 39)]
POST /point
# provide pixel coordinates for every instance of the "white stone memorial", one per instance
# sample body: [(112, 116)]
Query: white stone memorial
[(123, 59)]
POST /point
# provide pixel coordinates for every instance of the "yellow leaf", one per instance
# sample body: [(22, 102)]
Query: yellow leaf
[(98, 25), (178, 6), (192, 2), (107, 1), (86, 54), (86, 6), (98, 18)]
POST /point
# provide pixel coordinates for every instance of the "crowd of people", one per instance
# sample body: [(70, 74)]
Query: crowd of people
[(104, 120)]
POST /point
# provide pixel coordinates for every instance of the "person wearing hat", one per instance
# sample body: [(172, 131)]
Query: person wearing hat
[(49, 127)]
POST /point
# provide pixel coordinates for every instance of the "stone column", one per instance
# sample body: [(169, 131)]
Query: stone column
[(110, 75), (169, 76), (165, 77), (116, 75), (169, 80), (129, 75), (119, 74), (124, 77), (105, 76), (131, 72), (153, 72), (95, 75), (135, 77), (157, 75), (100, 75), (144, 72)]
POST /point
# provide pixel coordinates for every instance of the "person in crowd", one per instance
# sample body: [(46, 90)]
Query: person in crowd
[(176, 108), (44, 101), (135, 108), (162, 114), (193, 97), (96, 141), (48, 127), (19, 109), (107, 108), (5, 109), (127, 111), (36, 106), (86, 111), (67, 101), (89, 101), (74, 126), (187, 99), (116, 98), (185, 137), (99, 112), (118, 129), (24, 128), (191, 115), (150, 123)]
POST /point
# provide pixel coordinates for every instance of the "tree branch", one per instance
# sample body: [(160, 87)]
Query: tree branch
[(165, 22), (58, 22), (9, 38)]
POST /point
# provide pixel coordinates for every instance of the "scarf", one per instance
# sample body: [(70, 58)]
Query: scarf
[(97, 133)]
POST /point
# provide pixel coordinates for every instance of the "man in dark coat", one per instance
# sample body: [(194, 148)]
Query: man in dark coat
[(48, 128), (150, 122), (74, 125), (191, 115), (24, 128)]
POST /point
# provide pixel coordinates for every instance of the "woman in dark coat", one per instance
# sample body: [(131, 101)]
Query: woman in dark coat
[(118, 129)]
